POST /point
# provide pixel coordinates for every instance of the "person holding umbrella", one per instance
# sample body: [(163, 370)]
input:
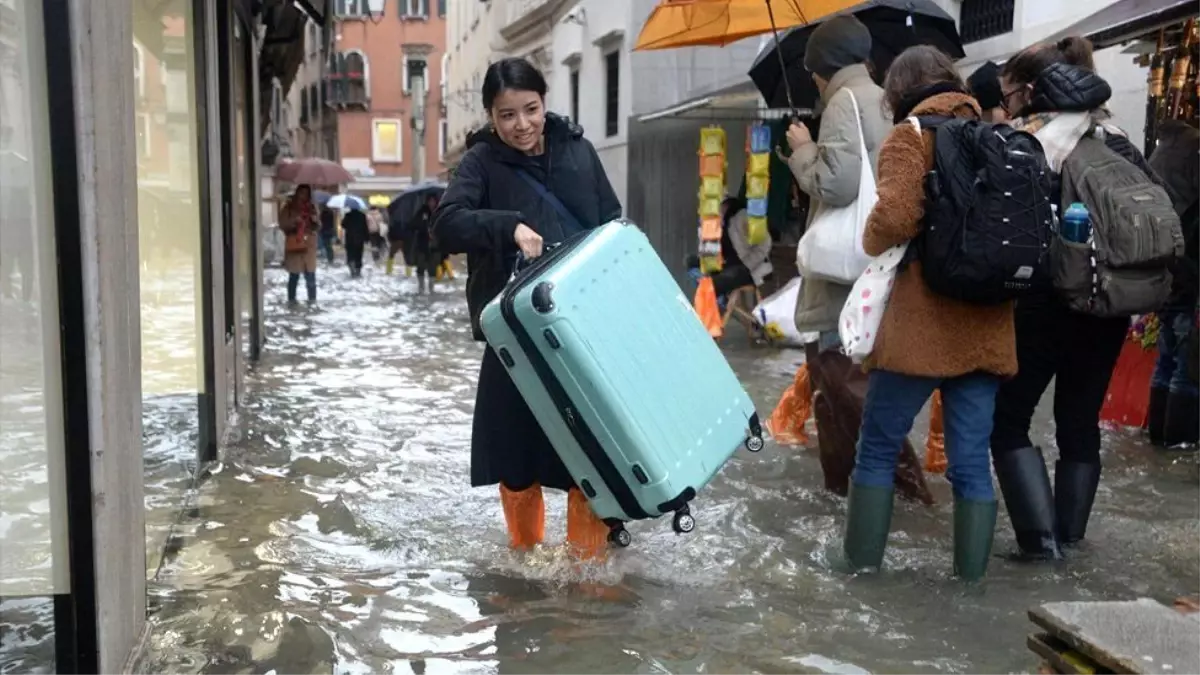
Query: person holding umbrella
[(828, 172), (298, 220), (355, 231)]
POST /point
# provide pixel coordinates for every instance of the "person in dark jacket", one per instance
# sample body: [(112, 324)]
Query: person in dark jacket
[(1174, 398), (418, 249), (327, 234), (355, 233), (497, 206), (1078, 351), (984, 85)]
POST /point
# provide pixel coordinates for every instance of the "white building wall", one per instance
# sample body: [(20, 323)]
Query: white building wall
[(472, 39)]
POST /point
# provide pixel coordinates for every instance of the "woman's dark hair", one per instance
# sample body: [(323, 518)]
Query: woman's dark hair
[(1028, 64), (514, 73), (917, 68)]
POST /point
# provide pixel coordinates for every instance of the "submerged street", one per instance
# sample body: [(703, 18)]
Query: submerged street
[(340, 534)]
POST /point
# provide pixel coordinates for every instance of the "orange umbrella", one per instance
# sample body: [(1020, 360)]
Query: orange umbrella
[(716, 23)]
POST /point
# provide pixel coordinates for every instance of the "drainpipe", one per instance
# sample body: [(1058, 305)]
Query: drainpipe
[(416, 76)]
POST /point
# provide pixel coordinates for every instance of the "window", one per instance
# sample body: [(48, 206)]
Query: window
[(983, 19), (354, 78), (441, 5), (443, 138), (413, 66), (414, 9), (352, 9), (445, 85), (612, 93), (387, 143), (575, 95), (314, 101), (304, 107)]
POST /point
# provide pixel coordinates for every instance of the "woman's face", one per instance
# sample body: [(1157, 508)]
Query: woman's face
[(519, 117), (1014, 96), (303, 194)]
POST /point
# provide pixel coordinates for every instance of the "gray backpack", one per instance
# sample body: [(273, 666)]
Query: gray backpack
[(1136, 235)]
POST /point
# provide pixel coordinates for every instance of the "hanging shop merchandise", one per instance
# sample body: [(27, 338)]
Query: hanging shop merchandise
[(712, 191), (1174, 89), (758, 182)]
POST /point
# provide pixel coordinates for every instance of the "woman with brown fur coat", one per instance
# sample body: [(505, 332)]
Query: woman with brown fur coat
[(926, 341)]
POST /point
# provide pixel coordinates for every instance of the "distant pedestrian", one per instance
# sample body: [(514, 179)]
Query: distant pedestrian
[(355, 232), (328, 233), (418, 251), (298, 220)]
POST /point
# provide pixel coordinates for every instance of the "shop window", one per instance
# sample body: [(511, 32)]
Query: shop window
[(983, 19), (414, 9), (387, 142), (612, 93), (414, 68), (575, 95)]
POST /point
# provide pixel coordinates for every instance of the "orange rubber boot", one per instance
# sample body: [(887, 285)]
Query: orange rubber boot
[(786, 424), (586, 534), (525, 515), (935, 447)]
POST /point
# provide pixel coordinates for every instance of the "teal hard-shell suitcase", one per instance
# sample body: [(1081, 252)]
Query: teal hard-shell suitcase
[(631, 390)]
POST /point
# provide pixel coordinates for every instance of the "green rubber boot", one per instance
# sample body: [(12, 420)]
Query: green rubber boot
[(974, 525), (868, 519)]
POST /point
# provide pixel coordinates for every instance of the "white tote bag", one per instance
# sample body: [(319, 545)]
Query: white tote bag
[(777, 316), (863, 312), (831, 248)]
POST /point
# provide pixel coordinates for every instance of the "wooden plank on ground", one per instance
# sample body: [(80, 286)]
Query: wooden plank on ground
[(1140, 636)]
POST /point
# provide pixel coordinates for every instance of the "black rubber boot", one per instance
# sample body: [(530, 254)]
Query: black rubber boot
[(1156, 414), (974, 528), (1075, 486), (1025, 484), (1182, 424), (868, 519)]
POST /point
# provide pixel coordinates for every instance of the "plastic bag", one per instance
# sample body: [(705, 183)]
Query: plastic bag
[(777, 316), (712, 141), (705, 304), (787, 423)]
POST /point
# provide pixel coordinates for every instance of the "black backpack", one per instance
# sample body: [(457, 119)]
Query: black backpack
[(989, 223)]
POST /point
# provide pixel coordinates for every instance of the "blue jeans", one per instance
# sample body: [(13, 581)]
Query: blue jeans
[(1170, 371), (893, 401), (310, 284)]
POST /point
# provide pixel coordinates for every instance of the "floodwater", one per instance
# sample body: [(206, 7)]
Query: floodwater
[(340, 535)]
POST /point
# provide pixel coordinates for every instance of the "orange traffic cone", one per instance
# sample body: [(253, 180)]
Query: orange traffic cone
[(525, 515), (586, 533), (935, 447), (786, 424)]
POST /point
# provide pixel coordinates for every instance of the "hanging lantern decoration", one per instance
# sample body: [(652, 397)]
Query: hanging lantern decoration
[(758, 182), (712, 191)]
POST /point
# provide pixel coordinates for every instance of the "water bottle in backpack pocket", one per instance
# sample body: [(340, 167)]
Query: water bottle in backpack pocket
[(989, 221)]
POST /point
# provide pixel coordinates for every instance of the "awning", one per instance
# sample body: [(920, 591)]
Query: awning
[(1126, 20)]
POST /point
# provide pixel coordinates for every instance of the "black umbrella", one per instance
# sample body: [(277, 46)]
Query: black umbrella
[(895, 25), (406, 204)]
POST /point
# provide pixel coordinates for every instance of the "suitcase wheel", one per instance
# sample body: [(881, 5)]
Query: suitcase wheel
[(619, 536), (683, 522), (755, 443)]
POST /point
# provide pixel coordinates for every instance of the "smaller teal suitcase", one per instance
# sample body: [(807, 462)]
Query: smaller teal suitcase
[(631, 390)]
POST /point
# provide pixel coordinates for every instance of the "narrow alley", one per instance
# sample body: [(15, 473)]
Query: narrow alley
[(340, 534)]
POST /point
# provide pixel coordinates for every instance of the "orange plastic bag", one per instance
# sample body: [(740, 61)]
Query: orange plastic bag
[(786, 424), (935, 447), (705, 303), (1128, 397)]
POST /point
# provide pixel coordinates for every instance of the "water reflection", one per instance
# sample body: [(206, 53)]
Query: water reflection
[(339, 536)]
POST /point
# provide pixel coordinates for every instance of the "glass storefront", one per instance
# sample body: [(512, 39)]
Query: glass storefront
[(170, 255), (33, 527)]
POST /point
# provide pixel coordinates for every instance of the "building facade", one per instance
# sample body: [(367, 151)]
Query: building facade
[(383, 82), (130, 293)]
